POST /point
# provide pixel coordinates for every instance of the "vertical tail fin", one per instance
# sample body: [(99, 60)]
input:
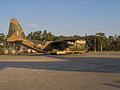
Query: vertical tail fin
[(15, 31), (15, 28)]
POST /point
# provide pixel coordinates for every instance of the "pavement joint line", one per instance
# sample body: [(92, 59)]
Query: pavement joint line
[(49, 81), (39, 74)]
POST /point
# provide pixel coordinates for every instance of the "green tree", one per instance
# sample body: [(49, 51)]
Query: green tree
[(50, 37), (117, 43), (44, 35), (101, 41), (2, 37), (110, 46)]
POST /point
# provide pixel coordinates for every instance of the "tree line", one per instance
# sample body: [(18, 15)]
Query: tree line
[(96, 42), (100, 42), (47, 36)]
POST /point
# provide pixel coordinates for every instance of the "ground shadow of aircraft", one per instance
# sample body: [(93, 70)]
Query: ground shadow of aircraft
[(78, 64)]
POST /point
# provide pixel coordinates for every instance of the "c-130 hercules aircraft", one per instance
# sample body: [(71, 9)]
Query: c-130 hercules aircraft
[(18, 43)]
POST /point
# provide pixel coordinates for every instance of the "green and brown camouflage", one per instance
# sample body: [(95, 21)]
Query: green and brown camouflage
[(16, 33), (15, 27)]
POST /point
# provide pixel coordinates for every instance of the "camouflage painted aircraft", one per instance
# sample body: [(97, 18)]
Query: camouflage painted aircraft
[(16, 35)]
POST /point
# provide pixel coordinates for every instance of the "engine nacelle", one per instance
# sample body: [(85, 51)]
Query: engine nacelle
[(6, 52), (29, 50)]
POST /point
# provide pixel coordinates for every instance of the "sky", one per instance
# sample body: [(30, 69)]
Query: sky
[(62, 17)]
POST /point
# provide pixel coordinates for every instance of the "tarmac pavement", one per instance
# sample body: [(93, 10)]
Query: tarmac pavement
[(70, 72)]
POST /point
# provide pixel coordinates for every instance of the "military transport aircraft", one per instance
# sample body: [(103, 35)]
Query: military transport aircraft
[(17, 39)]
